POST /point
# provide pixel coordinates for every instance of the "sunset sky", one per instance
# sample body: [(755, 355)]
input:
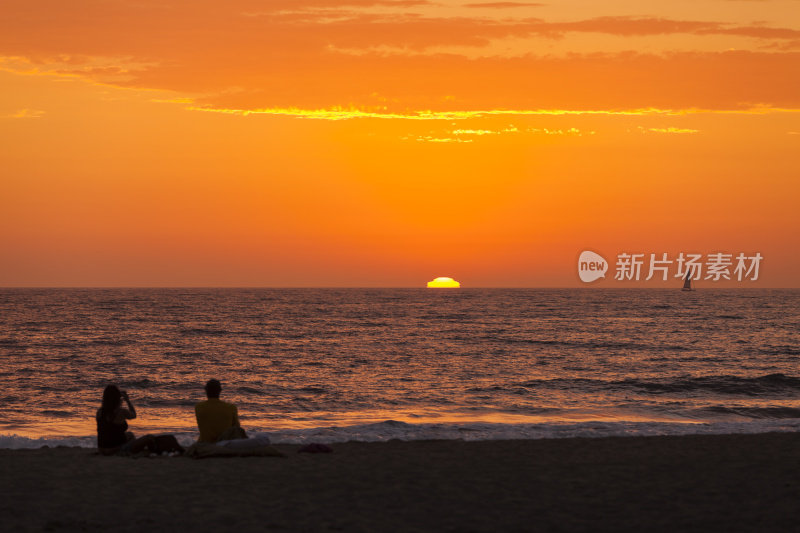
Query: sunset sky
[(379, 143)]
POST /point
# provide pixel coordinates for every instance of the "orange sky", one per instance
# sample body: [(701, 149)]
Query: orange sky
[(385, 143)]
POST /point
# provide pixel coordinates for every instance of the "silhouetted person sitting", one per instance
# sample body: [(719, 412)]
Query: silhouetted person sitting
[(217, 420), (112, 425)]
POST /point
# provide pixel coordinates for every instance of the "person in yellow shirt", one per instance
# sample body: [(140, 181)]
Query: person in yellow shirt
[(217, 420)]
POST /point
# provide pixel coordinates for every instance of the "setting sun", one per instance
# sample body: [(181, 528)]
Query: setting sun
[(444, 283)]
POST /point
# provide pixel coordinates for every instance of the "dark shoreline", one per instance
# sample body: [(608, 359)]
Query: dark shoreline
[(675, 483)]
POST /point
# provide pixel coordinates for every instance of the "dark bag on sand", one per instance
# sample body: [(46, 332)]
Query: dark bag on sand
[(166, 444)]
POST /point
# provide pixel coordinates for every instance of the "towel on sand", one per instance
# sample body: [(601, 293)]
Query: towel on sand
[(202, 450), (245, 443)]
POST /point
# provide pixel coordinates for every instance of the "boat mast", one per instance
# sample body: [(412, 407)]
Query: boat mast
[(687, 282)]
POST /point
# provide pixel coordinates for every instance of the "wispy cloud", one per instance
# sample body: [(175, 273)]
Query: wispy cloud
[(26, 113), (478, 132), (433, 139), (504, 5), (355, 113), (473, 135), (670, 129), (275, 63), (568, 131)]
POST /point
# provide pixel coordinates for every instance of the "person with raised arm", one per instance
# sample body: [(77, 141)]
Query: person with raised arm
[(112, 418), (113, 437)]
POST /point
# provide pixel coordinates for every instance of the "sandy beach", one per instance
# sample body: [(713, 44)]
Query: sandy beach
[(689, 483)]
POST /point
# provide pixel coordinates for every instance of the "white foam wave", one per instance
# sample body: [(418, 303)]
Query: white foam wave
[(20, 442), (391, 429)]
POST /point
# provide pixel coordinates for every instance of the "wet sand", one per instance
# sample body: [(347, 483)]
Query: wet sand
[(690, 483)]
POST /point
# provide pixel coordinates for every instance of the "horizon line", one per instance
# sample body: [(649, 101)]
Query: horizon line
[(728, 287)]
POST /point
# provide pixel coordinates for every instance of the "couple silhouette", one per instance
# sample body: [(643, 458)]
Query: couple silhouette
[(217, 421)]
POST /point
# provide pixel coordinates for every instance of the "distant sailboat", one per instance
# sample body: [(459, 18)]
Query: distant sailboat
[(687, 281)]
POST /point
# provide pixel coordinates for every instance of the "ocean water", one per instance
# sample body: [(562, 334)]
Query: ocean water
[(330, 365)]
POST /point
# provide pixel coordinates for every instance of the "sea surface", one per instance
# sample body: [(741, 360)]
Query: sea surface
[(331, 365)]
